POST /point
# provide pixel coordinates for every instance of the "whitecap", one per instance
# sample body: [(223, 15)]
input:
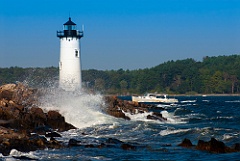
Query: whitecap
[(17, 154), (189, 101), (169, 131), (234, 101), (171, 119)]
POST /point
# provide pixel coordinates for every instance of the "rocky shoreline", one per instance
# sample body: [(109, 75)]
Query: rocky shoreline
[(22, 122), (24, 126)]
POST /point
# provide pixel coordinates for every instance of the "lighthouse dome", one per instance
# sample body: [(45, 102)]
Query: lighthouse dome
[(69, 25), (69, 22)]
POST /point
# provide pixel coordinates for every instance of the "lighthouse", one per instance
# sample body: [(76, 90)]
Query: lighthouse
[(70, 64)]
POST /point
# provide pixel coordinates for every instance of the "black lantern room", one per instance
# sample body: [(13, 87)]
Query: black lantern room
[(69, 30)]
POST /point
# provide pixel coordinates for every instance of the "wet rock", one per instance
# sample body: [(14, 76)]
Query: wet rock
[(236, 146), (118, 108), (19, 111), (54, 144), (117, 113), (57, 121), (126, 146), (113, 141), (22, 141), (212, 146), (23, 158), (150, 117), (89, 146), (102, 145), (186, 143), (73, 142), (156, 116), (53, 134), (42, 130), (38, 141)]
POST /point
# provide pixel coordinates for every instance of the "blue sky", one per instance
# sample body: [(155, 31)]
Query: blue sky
[(128, 34)]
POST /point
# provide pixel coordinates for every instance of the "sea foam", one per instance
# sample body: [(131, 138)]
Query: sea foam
[(79, 108)]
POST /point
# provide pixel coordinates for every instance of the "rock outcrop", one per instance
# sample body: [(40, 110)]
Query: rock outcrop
[(110, 142), (213, 146), (19, 111), (118, 108)]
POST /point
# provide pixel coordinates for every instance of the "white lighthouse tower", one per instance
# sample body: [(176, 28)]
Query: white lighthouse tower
[(69, 64)]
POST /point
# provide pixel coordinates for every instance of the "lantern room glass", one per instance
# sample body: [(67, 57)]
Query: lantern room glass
[(69, 27)]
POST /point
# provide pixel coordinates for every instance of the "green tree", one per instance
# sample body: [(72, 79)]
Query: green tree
[(123, 85)]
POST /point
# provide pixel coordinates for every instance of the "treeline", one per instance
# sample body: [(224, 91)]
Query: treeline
[(34, 77), (212, 75)]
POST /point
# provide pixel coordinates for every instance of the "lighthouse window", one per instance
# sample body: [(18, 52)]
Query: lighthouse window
[(76, 53)]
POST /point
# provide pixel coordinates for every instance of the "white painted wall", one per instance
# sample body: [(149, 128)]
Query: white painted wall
[(69, 64)]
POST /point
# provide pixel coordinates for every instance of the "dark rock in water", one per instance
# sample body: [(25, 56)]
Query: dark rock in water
[(37, 140), (159, 115), (83, 133), (150, 117), (113, 141), (26, 144), (23, 158), (117, 113), (73, 142), (118, 108), (186, 143), (102, 145), (156, 116), (42, 130), (54, 144), (126, 146), (213, 145), (53, 134), (89, 146), (236, 147)]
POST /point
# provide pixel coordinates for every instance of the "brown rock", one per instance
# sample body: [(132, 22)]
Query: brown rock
[(19, 111), (213, 146), (126, 146), (38, 116), (236, 147), (57, 121), (7, 91), (117, 113), (115, 107), (73, 142), (18, 104), (53, 134), (186, 143)]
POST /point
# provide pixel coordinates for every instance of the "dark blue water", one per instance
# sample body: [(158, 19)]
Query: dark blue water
[(193, 118)]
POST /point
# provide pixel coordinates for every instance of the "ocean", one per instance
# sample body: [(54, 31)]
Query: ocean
[(194, 117)]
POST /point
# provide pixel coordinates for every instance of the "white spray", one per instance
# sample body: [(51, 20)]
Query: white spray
[(79, 108)]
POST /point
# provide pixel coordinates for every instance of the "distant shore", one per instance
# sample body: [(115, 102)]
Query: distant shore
[(205, 95), (173, 95)]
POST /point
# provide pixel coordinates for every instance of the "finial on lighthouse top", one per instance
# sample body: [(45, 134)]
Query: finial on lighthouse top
[(69, 22), (69, 30)]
